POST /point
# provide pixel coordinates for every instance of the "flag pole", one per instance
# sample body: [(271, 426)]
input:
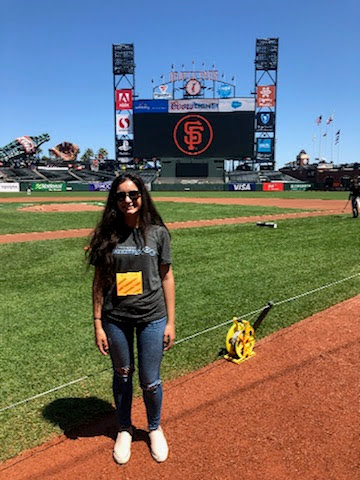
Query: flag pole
[(332, 134), (313, 146)]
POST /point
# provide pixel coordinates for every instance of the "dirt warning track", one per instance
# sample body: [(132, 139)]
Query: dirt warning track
[(290, 412)]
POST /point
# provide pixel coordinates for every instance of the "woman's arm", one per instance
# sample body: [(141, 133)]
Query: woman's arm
[(168, 285), (98, 300)]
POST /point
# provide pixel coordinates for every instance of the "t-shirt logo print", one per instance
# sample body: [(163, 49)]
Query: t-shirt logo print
[(193, 134)]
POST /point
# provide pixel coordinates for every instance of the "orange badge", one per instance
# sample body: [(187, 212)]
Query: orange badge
[(129, 283)]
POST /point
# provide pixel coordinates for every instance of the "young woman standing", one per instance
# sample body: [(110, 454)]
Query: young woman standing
[(133, 292)]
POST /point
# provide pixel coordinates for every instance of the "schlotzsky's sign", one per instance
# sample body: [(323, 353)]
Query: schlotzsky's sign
[(49, 187)]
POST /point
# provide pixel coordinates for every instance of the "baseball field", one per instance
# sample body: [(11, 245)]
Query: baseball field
[(54, 381)]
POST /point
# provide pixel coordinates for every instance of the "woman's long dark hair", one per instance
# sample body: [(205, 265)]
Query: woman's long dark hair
[(112, 227)]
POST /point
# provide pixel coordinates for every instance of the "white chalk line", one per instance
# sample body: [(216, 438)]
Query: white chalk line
[(178, 342)]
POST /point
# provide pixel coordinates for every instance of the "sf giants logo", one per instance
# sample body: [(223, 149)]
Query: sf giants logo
[(193, 134)]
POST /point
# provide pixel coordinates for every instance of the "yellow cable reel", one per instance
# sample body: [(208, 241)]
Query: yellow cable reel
[(240, 339)]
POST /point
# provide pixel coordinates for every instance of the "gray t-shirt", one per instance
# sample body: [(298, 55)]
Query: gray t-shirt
[(136, 294)]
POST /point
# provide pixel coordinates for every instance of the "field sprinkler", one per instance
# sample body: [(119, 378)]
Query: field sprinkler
[(240, 339)]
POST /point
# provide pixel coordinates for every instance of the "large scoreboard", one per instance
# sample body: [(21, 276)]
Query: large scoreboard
[(206, 128)]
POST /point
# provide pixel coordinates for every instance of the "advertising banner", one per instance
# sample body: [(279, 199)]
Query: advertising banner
[(242, 187), (265, 122), (124, 148), (236, 104), (48, 186), (123, 99), (162, 91), (124, 124), (9, 187), (151, 106), (264, 157), (265, 96), (99, 186), (194, 106), (264, 145), (273, 187), (299, 186)]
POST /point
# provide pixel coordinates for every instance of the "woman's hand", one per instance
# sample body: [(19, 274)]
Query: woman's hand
[(101, 340), (168, 284), (169, 336)]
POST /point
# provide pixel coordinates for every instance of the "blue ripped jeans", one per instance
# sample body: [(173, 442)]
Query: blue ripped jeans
[(149, 338)]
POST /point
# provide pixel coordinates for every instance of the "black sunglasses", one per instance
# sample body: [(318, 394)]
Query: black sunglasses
[(133, 195)]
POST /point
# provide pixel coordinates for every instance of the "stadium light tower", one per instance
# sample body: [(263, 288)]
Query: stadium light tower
[(124, 93), (266, 66)]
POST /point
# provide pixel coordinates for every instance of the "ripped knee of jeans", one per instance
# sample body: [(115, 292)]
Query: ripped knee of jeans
[(124, 373), (152, 387)]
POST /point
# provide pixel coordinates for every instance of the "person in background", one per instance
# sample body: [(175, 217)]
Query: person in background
[(354, 196), (133, 294)]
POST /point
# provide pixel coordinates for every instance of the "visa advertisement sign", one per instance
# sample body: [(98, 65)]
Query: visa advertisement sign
[(242, 187)]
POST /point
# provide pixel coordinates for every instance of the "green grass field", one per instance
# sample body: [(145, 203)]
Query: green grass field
[(220, 272)]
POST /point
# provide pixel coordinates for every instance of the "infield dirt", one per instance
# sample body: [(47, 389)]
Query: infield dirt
[(315, 207)]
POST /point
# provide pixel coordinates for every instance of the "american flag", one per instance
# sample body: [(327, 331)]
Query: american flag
[(337, 137), (318, 120)]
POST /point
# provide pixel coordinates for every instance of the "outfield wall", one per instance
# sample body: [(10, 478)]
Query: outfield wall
[(105, 186)]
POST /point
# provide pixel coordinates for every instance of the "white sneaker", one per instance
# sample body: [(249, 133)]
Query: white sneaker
[(122, 448), (158, 445)]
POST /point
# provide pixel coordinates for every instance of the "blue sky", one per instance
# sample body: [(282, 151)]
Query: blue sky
[(56, 60)]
